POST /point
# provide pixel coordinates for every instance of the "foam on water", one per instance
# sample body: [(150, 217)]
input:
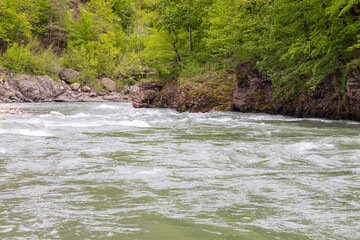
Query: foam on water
[(110, 170), (106, 106), (26, 132), (134, 123)]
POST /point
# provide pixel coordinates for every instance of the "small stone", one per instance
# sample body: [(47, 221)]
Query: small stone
[(75, 86), (86, 89)]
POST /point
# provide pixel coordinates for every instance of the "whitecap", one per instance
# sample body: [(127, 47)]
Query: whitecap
[(135, 123), (26, 132), (301, 147), (2, 151), (80, 115), (153, 171), (6, 229), (106, 106)]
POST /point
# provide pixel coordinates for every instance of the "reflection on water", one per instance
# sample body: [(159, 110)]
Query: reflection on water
[(109, 171)]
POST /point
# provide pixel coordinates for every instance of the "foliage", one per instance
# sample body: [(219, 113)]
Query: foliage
[(296, 43), (30, 58), (318, 38)]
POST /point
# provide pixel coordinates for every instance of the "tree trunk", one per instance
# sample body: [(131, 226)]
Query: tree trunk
[(190, 40)]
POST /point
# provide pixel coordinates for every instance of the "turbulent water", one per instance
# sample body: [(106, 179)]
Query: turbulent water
[(109, 171)]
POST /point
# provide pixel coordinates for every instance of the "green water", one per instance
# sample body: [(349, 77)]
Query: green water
[(109, 171)]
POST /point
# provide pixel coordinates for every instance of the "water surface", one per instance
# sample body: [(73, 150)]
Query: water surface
[(109, 171)]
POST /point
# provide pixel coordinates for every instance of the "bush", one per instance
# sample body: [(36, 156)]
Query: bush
[(31, 59), (93, 59)]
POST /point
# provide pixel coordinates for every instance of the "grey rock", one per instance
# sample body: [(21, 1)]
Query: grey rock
[(67, 74), (109, 84), (75, 86), (143, 94), (87, 89)]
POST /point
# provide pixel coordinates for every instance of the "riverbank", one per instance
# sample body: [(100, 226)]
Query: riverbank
[(248, 90), (244, 90), (31, 88)]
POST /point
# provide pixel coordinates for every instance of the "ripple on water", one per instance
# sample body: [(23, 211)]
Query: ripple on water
[(107, 170)]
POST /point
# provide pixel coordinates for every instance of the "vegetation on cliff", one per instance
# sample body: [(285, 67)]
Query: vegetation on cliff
[(295, 43)]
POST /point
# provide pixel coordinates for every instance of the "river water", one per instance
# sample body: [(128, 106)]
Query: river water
[(109, 171)]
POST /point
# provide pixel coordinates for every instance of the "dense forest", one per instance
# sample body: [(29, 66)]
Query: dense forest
[(295, 43)]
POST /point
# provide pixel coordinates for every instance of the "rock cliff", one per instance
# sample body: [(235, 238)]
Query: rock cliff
[(253, 92)]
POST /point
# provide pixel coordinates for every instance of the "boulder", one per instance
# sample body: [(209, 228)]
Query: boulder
[(66, 74), (143, 94), (75, 86), (109, 84), (29, 88)]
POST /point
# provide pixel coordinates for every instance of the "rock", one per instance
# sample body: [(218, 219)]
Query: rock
[(67, 74), (323, 102), (92, 94), (116, 97), (55, 113), (353, 89), (109, 84), (75, 86), (12, 110), (29, 88), (253, 92), (143, 94), (87, 89)]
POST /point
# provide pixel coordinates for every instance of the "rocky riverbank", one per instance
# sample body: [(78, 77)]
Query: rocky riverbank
[(252, 92), (29, 88)]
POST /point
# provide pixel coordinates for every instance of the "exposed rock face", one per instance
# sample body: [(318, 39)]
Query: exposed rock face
[(109, 84), (204, 95), (27, 88), (172, 97), (323, 102), (143, 94), (353, 89), (253, 92), (66, 74)]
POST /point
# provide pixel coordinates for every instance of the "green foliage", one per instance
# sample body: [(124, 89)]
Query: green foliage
[(160, 55), (93, 59), (30, 58), (14, 23), (296, 43)]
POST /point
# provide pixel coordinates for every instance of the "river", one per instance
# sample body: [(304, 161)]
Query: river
[(109, 171)]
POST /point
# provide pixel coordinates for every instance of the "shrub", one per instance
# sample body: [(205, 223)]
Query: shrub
[(30, 58)]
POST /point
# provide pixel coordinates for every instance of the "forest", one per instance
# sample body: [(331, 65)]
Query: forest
[(295, 43)]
